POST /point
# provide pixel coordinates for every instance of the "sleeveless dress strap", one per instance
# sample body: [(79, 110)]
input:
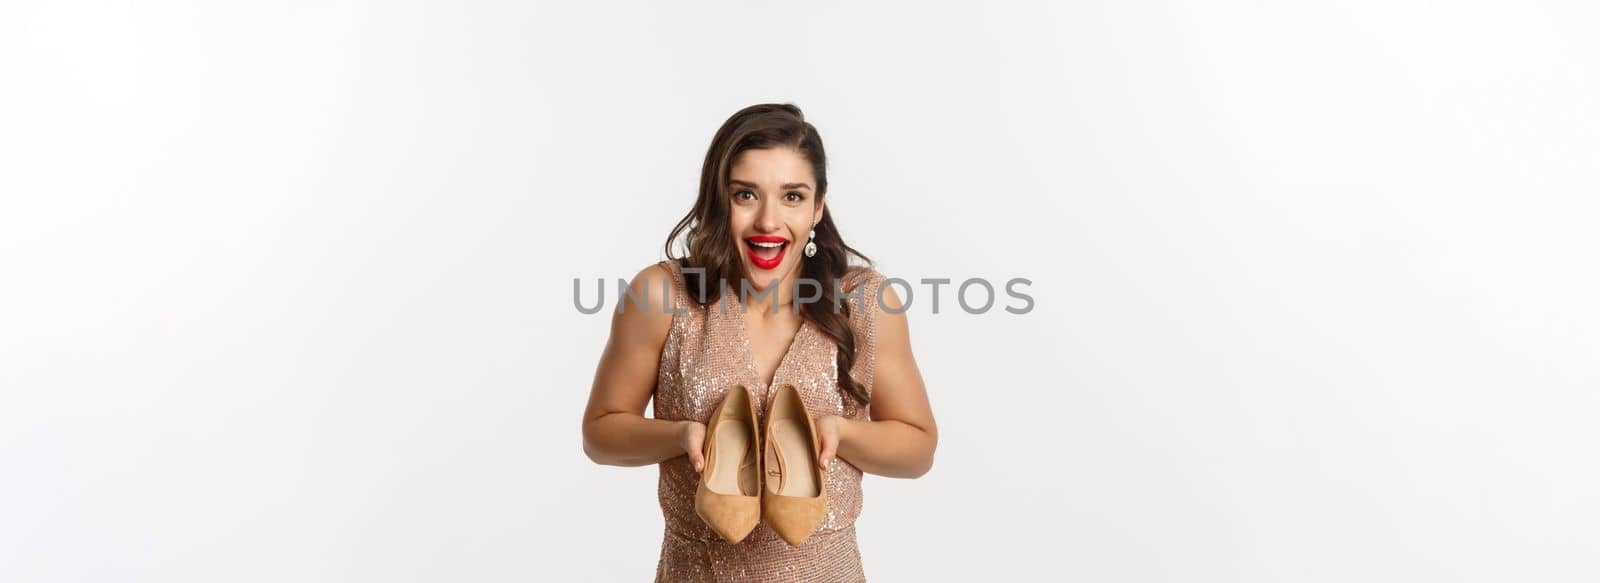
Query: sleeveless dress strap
[(863, 321)]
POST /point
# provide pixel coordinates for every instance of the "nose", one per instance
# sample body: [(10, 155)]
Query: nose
[(767, 220)]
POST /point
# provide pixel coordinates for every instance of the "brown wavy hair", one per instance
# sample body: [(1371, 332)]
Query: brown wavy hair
[(710, 244)]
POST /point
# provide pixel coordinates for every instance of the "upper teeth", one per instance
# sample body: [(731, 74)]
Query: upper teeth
[(761, 244)]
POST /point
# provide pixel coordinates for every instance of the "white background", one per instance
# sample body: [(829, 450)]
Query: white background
[(286, 288)]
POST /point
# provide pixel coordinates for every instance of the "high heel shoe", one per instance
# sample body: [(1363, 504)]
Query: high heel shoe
[(728, 498), (793, 499)]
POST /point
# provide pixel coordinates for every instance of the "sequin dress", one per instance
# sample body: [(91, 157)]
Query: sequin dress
[(706, 353)]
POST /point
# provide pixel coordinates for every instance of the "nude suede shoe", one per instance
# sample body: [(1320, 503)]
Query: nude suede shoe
[(793, 499), (728, 498)]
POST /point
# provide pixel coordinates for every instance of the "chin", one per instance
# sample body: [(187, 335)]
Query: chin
[(761, 279)]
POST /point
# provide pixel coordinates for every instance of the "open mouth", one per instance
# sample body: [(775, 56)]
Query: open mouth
[(766, 251)]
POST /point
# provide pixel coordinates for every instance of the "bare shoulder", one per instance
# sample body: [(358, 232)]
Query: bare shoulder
[(878, 302), (655, 279), (645, 306)]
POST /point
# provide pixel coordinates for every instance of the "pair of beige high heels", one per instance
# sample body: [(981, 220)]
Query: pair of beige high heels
[(791, 499)]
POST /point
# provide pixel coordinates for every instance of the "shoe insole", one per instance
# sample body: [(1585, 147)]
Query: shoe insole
[(733, 444), (790, 469)]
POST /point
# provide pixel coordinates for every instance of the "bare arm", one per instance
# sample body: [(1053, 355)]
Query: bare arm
[(901, 436), (615, 430)]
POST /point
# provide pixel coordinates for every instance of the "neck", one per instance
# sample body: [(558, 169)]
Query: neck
[(778, 296)]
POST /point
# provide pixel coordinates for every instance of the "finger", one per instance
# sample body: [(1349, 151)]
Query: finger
[(826, 455), (697, 450)]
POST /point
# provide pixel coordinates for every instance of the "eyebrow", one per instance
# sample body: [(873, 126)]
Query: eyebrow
[(784, 187)]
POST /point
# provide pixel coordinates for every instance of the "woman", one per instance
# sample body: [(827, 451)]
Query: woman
[(759, 226)]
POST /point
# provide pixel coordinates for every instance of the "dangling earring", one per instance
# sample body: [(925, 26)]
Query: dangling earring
[(811, 244)]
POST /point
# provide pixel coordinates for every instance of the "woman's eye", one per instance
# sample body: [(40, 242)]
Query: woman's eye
[(741, 195), (794, 197)]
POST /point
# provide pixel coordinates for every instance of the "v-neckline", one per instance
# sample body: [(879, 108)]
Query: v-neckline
[(749, 353)]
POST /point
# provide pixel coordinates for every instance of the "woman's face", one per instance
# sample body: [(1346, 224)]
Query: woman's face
[(774, 209)]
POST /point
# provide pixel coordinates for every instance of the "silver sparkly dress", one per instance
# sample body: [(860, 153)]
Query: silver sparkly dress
[(706, 353)]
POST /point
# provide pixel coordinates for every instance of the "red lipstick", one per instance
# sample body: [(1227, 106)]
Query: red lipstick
[(768, 256)]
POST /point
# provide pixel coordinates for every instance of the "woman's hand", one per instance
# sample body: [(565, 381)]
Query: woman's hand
[(830, 430), (692, 438)]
